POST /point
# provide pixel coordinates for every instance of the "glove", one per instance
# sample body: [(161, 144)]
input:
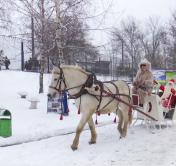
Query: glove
[(173, 91), (155, 82)]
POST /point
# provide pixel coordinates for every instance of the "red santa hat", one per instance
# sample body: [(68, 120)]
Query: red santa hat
[(171, 81)]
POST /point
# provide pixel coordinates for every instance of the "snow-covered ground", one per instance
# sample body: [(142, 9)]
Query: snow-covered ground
[(48, 139)]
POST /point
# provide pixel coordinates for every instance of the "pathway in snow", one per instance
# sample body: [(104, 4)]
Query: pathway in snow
[(59, 132)]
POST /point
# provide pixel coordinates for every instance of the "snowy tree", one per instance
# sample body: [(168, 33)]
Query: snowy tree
[(127, 36), (172, 56), (153, 39), (4, 14), (58, 28)]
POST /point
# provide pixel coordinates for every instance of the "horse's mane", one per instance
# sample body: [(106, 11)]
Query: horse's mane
[(72, 67)]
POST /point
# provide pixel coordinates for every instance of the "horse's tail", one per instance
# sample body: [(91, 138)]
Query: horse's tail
[(130, 116)]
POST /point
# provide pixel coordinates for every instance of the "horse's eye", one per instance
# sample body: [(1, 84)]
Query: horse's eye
[(55, 79)]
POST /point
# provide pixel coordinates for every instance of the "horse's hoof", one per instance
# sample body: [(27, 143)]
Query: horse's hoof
[(92, 142), (74, 148), (121, 137)]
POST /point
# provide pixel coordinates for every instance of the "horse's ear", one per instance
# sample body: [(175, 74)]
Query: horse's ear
[(55, 64), (52, 62)]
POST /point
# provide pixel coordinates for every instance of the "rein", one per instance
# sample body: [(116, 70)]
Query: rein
[(130, 105)]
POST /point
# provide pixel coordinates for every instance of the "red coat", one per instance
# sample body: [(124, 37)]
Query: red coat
[(169, 101)]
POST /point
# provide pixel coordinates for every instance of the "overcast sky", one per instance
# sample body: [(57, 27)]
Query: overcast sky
[(121, 9), (111, 12)]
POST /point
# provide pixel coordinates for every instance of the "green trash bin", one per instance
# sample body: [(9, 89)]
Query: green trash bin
[(5, 123)]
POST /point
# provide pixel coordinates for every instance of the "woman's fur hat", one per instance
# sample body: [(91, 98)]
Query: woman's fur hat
[(145, 62)]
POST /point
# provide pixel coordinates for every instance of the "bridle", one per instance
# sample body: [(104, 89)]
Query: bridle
[(61, 80)]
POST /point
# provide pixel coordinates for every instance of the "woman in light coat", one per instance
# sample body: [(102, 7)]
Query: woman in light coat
[(143, 82)]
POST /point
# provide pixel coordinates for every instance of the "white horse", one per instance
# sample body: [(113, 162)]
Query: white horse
[(75, 80)]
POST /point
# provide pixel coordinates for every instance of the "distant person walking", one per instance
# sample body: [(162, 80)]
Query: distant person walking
[(1, 61), (1, 58), (7, 63)]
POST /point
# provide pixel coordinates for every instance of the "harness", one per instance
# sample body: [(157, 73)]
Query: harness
[(103, 93), (88, 83)]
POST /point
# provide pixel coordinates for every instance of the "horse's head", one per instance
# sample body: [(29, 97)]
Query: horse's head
[(57, 82), (71, 78)]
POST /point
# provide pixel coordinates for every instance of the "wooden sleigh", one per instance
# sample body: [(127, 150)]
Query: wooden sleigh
[(155, 110)]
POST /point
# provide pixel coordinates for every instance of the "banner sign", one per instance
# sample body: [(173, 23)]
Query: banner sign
[(160, 76), (170, 75)]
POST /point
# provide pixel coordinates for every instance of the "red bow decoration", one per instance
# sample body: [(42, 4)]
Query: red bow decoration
[(162, 88)]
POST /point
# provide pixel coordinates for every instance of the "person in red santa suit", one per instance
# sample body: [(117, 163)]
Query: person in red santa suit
[(168, 99)]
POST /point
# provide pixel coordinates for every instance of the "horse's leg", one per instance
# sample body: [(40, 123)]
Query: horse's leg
[(92, 130), (119, 127), (125, 119), (84, 119), (125, 126)]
